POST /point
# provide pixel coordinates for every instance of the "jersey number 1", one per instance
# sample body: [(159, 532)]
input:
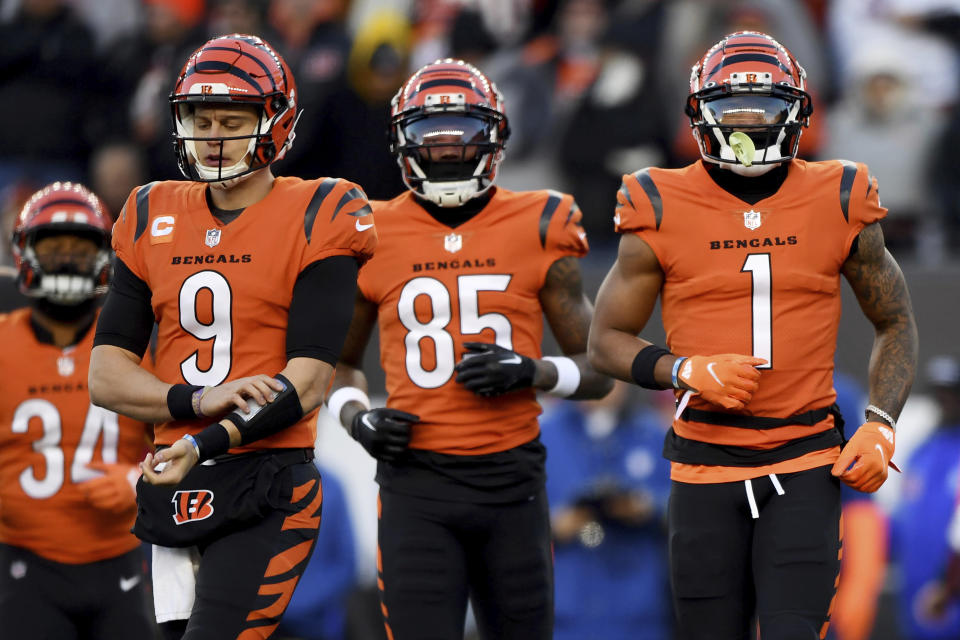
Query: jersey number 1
[(758, 264)]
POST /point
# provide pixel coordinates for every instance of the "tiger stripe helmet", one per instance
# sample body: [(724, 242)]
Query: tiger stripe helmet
[(448, 105), (235, 69), (751, 83), (62, 208)]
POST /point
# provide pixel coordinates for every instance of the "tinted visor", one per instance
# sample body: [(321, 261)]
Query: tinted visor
[(747, 111), (448, 129)]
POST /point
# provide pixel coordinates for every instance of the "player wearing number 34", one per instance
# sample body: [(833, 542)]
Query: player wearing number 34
[(251, 280), (463, 275), (745, 249)]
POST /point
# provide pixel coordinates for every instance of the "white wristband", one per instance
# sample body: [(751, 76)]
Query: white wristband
[(568, 376), (342, 396)]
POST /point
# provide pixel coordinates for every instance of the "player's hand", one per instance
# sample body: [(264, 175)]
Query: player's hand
[(726, 379), (115, 490), (231, 395), (490, 370), (169, 466), (384, 433), (869, 451)]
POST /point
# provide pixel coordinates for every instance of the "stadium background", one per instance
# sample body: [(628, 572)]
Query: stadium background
[(593, 89)]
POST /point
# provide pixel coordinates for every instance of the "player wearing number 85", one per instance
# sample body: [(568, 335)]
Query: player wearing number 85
[(251, 280), (69, 567), (745, 249), (462, 278)]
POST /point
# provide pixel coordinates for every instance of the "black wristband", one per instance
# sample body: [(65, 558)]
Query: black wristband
[(180, 401), (642, 369), (212, 441)]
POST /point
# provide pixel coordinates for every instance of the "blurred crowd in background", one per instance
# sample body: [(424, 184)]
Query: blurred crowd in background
[(593, 89)]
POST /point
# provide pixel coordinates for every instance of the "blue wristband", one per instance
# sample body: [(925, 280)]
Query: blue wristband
[(676, 369), (189, 438)]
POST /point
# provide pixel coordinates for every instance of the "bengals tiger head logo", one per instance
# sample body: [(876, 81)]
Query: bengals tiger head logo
[(192, 506)]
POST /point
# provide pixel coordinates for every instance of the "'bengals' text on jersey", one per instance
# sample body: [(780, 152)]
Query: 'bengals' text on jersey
[(761, 280), (438, 287), (49, 434), (221, 292)]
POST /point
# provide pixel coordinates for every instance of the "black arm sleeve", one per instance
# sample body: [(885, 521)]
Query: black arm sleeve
[(322, 308), (127, 317)]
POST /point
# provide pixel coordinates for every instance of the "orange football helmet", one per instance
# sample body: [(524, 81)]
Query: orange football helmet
[(448, 131), (235, 70), (748, 82), (62, 208)]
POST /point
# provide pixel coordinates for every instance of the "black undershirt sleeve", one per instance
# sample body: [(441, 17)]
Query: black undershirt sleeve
[(322, 308), (127, 317)]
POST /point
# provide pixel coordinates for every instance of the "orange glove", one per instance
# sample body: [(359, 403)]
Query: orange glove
[(114, 491), (869, 451), (726, 379)]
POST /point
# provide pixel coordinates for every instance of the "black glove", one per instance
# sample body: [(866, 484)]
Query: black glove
[(490, 370), (384, 433)]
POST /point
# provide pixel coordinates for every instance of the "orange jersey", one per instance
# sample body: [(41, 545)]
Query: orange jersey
[(49, 433), (437, 287), (762, 280), (221, 292)]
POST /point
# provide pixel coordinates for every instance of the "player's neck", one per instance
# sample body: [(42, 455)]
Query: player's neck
[(59, 333), (245, 193), (453, 217), (750, 189)]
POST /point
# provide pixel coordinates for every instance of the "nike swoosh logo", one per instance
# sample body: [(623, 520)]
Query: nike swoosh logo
[(363, 227), (129, 583), (710, 367), (882, 457), (365, 419), (515, 359)]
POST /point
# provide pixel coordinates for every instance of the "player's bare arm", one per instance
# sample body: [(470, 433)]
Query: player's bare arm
[(383, 432), (625, 301), (568, 311), (349, 371), (624, 304), (309, 378), (118, 382), (881, 290)]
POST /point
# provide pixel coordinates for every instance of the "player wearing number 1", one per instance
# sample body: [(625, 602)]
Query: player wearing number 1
[(69, 567), (745, 250), (462, 278), (251, 281)]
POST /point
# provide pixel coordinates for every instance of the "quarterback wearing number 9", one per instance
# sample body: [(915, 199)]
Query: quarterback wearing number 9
[(745, 249), (251, 280)]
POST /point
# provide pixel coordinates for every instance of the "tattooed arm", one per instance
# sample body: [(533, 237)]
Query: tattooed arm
[(880, 288), (569, 312)]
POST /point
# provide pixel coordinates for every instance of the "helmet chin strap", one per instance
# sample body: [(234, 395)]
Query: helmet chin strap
[(452, 193), (751, 171)]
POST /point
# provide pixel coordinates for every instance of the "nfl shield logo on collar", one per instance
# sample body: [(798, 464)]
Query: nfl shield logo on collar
[(213, 237), (453, 242), (751, 219)]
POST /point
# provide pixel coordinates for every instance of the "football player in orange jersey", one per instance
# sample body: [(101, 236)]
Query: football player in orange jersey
[(462, 278), (745, 250), (251, 281), (69, 567)]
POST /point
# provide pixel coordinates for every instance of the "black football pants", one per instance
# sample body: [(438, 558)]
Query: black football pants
[(730, 571), (45, 600), (434, 554), (246, 578)]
